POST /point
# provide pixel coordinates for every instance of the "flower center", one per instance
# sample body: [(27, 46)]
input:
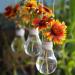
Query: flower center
[(56, 30), (29, 5), (42, 23)]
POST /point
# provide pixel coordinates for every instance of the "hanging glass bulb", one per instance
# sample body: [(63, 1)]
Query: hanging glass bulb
[(18, 43), (33, 43), (46, 62)]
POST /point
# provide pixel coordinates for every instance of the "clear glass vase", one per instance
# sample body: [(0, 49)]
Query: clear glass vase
[(33, 43), (46, 62), (18, 43)]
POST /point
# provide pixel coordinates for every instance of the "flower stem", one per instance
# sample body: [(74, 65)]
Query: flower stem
[(46, 62), (42, 36)]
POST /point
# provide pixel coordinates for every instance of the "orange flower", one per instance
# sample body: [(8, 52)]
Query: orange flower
[(44, 10), (31, 5), (40, 23), (57, 32), (26, 19), (10, 11)]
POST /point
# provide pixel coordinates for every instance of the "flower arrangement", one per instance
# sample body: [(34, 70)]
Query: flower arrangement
[(36, 15), (37, 18)]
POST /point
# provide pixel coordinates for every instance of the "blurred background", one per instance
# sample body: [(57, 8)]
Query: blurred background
[(21, 64)]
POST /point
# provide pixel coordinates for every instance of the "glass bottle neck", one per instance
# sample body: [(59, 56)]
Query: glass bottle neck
[(20, 32), (34, 32), (47, 45)]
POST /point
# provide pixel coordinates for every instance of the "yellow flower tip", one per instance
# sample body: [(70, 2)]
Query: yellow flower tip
[(53, 15), (58, 22), (34, 2)]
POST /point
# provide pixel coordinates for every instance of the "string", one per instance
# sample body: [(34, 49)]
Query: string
[(53, 7)]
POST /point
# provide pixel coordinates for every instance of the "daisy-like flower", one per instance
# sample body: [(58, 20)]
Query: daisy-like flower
[(41, 23), (25, 10), (31, 5), (44, 10), (11, 11), (57, 32)]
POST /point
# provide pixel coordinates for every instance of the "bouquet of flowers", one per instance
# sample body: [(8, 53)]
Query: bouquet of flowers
[(33, 14)]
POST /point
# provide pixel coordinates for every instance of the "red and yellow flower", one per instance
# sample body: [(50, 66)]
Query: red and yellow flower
[(31, 5), (57, 33), (11, 11), (41, 23), (44, 10), (25, 10)]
